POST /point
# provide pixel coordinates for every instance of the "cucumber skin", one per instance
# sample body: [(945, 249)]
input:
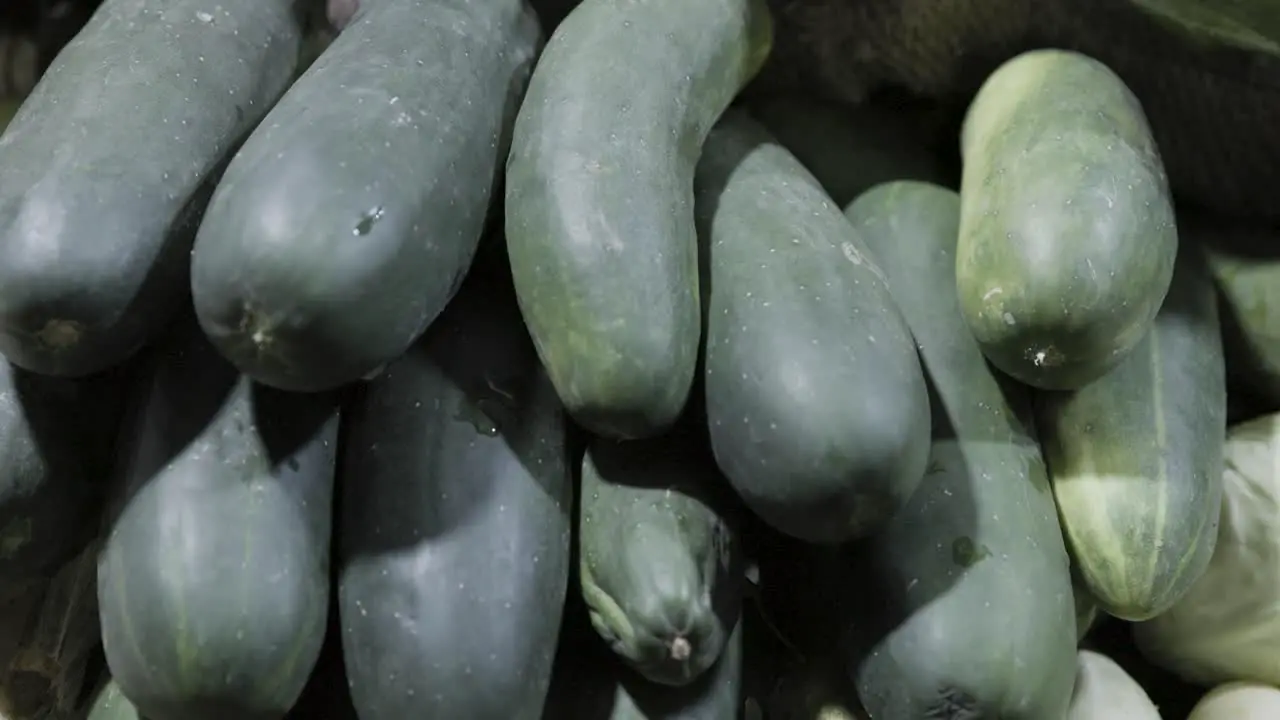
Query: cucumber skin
[(1067, 235), (1135, 458), (816, 402), (599, 198), (455, 468), (350, 216), (658, 559), (213, 583), (984, 618), (109, 163)]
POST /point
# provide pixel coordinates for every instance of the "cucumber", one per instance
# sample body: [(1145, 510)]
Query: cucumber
[(1135, 458), (599, 198), (455, 531), (213, 581), (349, 218), (108, 166), (57, 436), (975, 617), (815, 399), (590, 685), (658, 556), (1067, 236), (848, 150)]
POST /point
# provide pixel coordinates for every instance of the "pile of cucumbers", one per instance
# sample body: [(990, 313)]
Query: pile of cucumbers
[(427, 360)]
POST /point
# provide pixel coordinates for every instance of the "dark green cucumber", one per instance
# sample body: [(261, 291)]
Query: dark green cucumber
[(659, 560), (213, 581), (599, 198), (1135, 457), (109, 163), (56, 440), (975, 617), (815, 399), (454, 539), (1067, 237), (350, 216), (589, 684), (848, 150)]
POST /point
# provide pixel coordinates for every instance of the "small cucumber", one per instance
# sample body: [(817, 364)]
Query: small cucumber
[(1135, 458), (350, 216), (213, 583), (454, 543), (109, 163), (815, 399), (599, 198), (1067, 237), (974, 615), (659, 560)]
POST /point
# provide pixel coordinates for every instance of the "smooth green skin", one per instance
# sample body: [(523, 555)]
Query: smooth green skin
[(213, 584), (109, 704), (659, 562), (848, 150), (591, 685), (1067, 237), (599, 198), (351, 215), (455, 534), (980, 618), (110, 162), (1135, 458), (57, 437), (815, 399)]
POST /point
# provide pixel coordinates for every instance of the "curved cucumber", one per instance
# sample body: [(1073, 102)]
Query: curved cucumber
[(1067, 237), (1135, 458), (599, 198), (109, 163), (455, 536), (815, 399), (213, 584), (351, 215), (976, 617), (660, 565)]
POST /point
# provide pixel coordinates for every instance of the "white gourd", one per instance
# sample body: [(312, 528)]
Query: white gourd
[(1104, 691), (1227, 626), (1238, 701)]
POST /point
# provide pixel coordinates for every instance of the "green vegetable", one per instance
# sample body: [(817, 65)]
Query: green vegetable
[(973, 616), (454, 540), (815, 399), (213, 582), (109, 164), (349, 218), (659, 561), (599, 198), (591, 685), (1135, 458), (1067, 237), (1246, 271)]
